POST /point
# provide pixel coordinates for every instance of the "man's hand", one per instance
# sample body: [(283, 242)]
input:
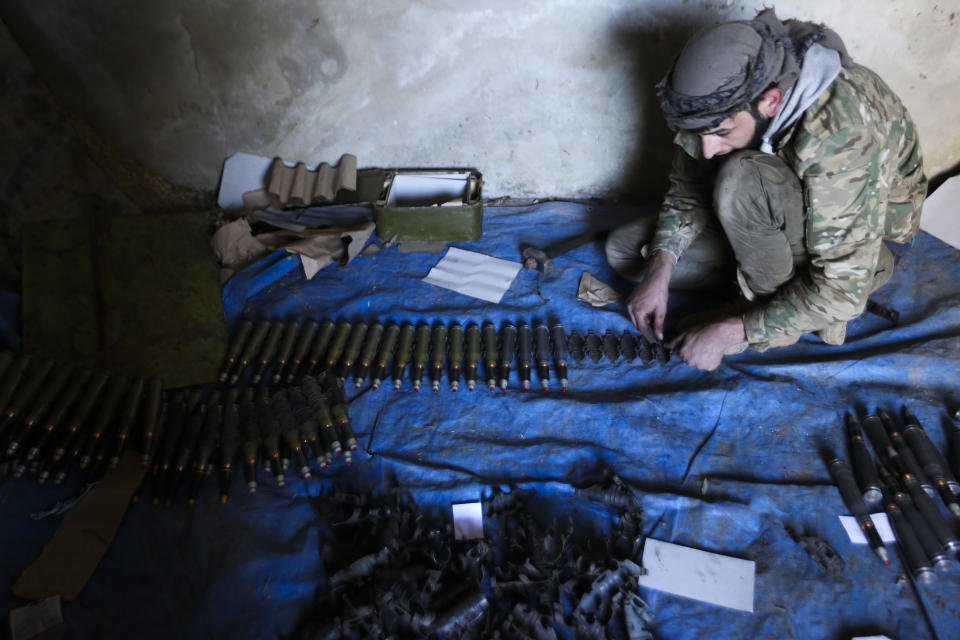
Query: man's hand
[(647, 303), (703, 346)]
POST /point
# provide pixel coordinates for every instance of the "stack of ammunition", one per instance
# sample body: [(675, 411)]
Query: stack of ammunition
[(392, 571), (906, 477), (57, 417), (278, 352), (201, 432)]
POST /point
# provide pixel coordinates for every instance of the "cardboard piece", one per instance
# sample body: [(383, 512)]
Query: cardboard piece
[(251, 182), (75, 550), (318, 248), (595, 292), (301, 186), (700, 575), (40, 620)]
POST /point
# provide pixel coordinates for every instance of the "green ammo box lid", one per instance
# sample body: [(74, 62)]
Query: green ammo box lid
[(429, 205)]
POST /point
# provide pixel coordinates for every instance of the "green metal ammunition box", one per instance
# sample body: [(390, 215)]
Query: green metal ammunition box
[(429, 205)]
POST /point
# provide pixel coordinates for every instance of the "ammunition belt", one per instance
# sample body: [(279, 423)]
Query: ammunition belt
[(287, 351)]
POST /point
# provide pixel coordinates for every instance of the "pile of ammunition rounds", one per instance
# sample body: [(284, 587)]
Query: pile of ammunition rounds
[(284, 352), (200, 432), (393, 572), (56, 416), (909, 473)]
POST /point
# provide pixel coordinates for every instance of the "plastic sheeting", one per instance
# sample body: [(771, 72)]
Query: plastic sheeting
[(724, 461)]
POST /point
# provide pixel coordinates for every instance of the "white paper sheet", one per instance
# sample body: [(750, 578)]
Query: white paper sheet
[(856, 535), (699, 575), (424, 189), (467, 521), (242, 172), (941, 213), (473, 274)]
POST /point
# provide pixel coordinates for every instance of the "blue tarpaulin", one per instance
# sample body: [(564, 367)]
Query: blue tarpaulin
[(724, 461)]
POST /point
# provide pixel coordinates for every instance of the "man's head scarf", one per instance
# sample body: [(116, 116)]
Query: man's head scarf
[(725, 67)]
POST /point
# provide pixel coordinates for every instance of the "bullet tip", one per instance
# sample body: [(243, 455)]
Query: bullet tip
[(375, 387), (454, 389)]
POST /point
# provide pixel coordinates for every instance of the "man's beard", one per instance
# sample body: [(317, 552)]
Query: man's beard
[(760, 125)]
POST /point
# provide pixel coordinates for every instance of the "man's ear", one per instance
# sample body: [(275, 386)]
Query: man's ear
[(771, 102)]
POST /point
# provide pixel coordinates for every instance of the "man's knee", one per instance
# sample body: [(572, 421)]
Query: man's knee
[(624, 247), (746, 175)]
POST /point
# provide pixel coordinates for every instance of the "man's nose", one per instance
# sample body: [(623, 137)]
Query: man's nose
[(710, 146)]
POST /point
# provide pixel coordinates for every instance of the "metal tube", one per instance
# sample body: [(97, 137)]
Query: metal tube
[(541, 342), (438, 353), (269, 352), (385, 354), (524, 354), (251, 349), (300, 351), (863, 465), (853, 499), (927, 453), (367, 353), (321, 343), (286, 349), (352, 350), (508, 349), (560, 354), (904, 456), (337, 343), (472, 355), (455, 338), (404, 350), (490, 354), (421, 351), (236, 346)]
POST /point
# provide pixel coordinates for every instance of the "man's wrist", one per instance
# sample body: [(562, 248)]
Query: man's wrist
[(661, 264), (733, 330)]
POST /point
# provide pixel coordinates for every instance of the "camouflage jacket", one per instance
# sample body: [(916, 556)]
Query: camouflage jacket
[(856, 153)]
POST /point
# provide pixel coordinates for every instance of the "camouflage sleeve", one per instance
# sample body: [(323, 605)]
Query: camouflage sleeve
[(687, 206), (845, 198)]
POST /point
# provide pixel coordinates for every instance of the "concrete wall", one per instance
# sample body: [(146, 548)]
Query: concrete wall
[(549, 98)]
